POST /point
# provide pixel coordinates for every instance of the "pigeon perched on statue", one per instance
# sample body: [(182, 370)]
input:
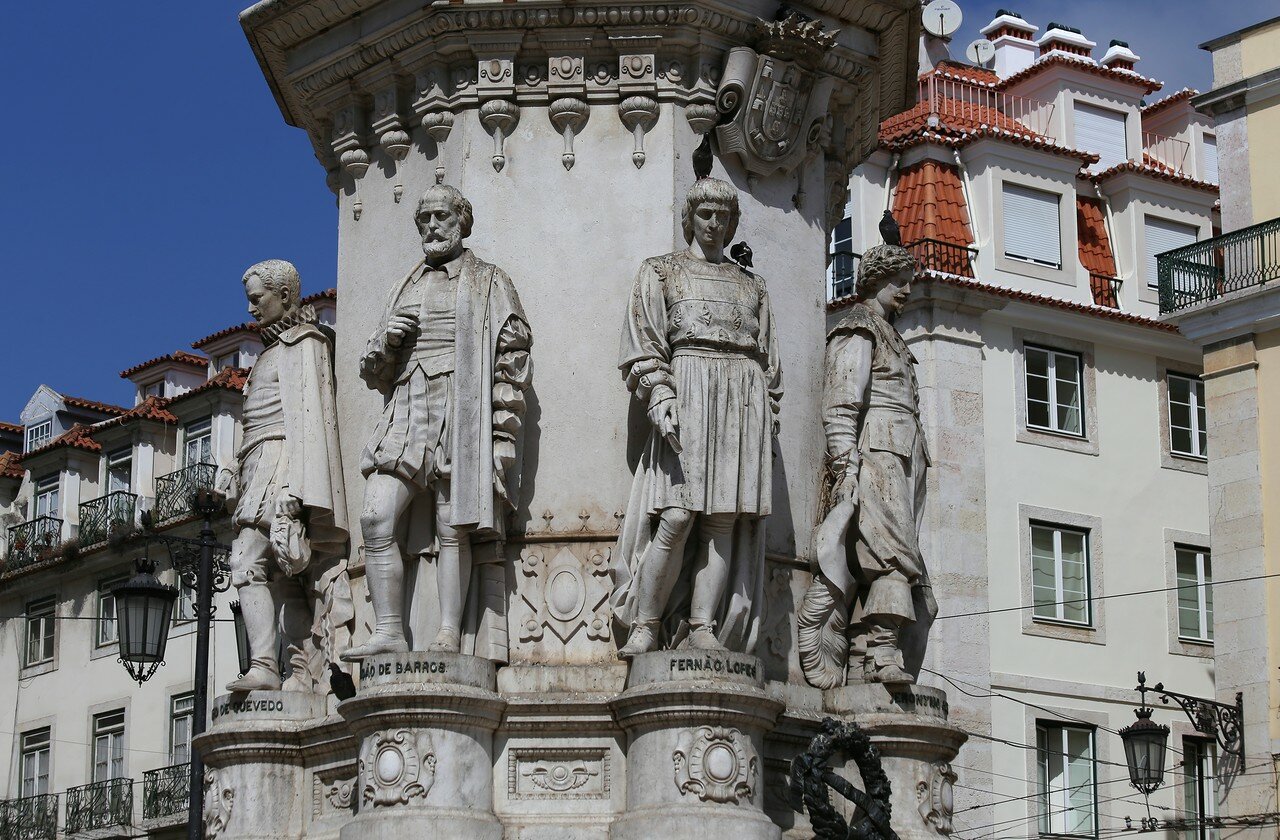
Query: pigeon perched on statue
[(889, 230)]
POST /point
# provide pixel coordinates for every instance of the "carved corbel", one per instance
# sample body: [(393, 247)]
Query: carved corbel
[(438, 125), (499, 118), (568, 115), (639, 114), (348, 146), (566, 75), (390, 129)]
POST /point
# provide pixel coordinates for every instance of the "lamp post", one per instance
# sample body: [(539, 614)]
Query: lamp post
[(145, 606)]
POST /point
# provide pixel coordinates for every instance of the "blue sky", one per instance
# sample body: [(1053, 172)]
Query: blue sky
[(146, 166)]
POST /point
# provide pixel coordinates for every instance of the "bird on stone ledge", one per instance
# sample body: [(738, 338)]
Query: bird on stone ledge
[(344, 688), (889, 230)]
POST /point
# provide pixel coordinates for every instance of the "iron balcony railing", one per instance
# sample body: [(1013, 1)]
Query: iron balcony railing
[(1170, 151), (947, 257), (102, 517), (105, 804), (1105, 289), (174, 491), (32, 541), (1215, 267), (977, 102), (842, 275), (165, 792), (29, 818)]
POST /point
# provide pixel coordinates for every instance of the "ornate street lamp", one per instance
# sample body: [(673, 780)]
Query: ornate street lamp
[(1144, 745), (144, 609)]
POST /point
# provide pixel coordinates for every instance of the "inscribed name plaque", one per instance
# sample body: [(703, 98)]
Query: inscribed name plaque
[(878, 698), (267, 705), (427, 667), (696, 665)]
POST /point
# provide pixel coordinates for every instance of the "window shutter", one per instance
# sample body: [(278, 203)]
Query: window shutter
[(1031, 225), (1163, 235), (1101, 131), (1210, 173)]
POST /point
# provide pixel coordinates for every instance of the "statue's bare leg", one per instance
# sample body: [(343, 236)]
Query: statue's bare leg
[(248, 562), (386, 497), (659, 571), (710, 576), (453, 574)]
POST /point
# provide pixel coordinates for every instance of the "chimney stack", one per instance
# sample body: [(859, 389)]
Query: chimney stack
[(1014, 41), (1119, 56), (1060, 38)]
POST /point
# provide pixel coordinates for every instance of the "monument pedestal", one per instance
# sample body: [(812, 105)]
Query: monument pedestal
[(908, 725), (254, 764), (695, 723), (425, 722)]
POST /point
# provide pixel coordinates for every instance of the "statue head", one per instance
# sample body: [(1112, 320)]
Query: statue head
[(444, 218), (884, 274), (710, 214), (274, 290)]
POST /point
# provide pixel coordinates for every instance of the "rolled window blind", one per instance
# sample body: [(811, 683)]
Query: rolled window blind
[(1101, 131), (1163, 235), (1031, 225)]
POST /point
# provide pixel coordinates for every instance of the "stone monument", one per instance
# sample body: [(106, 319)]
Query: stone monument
[(494, 703)]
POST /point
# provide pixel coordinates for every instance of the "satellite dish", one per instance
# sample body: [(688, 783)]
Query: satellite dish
[(942, 18), (980, 52)]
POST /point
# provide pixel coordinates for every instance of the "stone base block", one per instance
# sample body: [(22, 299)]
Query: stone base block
[(700, 822), (414, 823)]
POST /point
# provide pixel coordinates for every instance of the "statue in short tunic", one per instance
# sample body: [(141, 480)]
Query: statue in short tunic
[(452, 358), (700, 354), (288, 559), (874, 491)]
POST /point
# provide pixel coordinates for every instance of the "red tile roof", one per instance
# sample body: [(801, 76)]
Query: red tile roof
[(92, 405), (249, 328), (1094, 245), (11, 465), (1084, 65), (1154, 168), (1171, 99), (326, 294), (78, 436), (928, 203), (965, 73), (180, 357), (230, 379), (10, 427), (152, 408), (959, 141)]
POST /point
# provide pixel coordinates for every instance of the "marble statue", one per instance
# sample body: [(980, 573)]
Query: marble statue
[(452, 358), (700, 355), (874, 492), (288, 556)]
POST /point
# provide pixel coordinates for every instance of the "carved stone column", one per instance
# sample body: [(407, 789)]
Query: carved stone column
[(425, 723), (695, 724)]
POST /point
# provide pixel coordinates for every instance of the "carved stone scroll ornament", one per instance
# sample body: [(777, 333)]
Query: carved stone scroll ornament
[(499, 118), (936, 792), (568, 115), (716, 764), (392, 770), (561, 776), (772, 95), (219, 799)]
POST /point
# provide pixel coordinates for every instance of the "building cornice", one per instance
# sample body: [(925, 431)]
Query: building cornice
[(1242, 313)]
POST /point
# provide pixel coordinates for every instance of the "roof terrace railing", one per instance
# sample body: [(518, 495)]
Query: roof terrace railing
[(970, 101), (1214, 267), (1170, 151)]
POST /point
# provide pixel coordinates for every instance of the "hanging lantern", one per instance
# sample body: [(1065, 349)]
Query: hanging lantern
[(144, 608), (1144, 750), (242, 639)]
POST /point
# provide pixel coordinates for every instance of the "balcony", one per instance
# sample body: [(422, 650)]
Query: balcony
[(29, 818), (1215, 267), (110, 514), (174, 491), (101, 805), (1106, 290), (1167, 151), (970, 105), (945, 257), (33, 541), (165, 792), (842, 275)]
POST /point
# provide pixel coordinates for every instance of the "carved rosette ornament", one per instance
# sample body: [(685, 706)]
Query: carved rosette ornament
[(499, 118), (568, 115), (716, 764), (391, 769), (438, 125), (936, 792), (772, 97), (219, 798)]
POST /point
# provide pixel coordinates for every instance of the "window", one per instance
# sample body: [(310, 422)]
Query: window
[(47, 496), (843, 272), (181, 711), (35, 762), (1101, 131), (39, 434), (1187, 435), (199, 443), (1195, 594), (155, 389), (1055, 398), (1032, 227), (40, 630), (230, 360), (1210, 173), (1163, 235), (1066, 776), (1199, 793), (108, 746), (1060, 574), (185, 609), (120, 471), (107, 626)]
